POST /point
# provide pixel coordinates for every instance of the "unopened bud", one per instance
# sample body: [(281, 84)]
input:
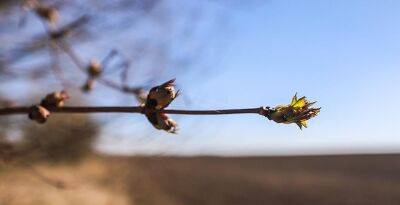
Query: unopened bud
[(161, 121), (55, 99), (47, 13), (94, 68), (161, 96), (39, 114)]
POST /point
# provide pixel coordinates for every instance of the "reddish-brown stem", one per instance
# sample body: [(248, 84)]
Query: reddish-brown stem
[(134, 109)]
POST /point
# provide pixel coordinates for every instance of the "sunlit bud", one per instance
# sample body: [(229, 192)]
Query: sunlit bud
[(161, 121), (298, 112), (55, 99), (161, 96), (94, 68), (39, 114)]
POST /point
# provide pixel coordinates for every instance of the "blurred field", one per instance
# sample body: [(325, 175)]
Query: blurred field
[(210, 180)]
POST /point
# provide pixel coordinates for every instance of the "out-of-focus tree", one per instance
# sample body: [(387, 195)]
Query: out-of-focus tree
[(135, 43), (63, 139), (4, 121), (153, 39)]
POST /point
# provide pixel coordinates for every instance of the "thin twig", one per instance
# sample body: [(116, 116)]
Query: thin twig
[(133, 109), (55, 65), (80, 65), (71, 53), (109, 57)]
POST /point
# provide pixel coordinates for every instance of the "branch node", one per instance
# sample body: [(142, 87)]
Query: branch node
[(40, 113), (157, 100), (265, 111)]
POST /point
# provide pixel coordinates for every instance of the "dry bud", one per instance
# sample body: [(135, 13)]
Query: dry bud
[(161, 121), (298, 111), (49, 14), (94, 68), (55, 99), (38, 114), (161, 96)]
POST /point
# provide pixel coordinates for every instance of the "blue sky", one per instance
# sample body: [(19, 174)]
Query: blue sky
[(344, 54)]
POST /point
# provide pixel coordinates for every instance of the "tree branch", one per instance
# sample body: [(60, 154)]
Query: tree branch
[(133, 109)]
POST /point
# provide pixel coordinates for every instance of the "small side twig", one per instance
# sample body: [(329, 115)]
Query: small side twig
[(55, 66)]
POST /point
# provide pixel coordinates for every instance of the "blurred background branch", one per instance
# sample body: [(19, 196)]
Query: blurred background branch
[(125, 46)]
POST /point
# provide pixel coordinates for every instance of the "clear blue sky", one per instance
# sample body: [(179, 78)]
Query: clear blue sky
[(344, 54)]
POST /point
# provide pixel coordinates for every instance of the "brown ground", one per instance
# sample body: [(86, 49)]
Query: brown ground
[(210, 180)]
